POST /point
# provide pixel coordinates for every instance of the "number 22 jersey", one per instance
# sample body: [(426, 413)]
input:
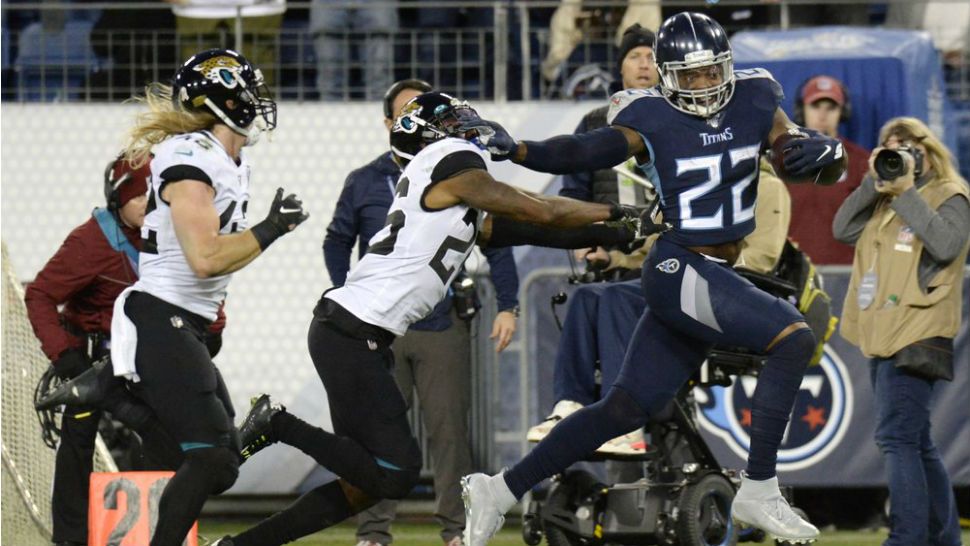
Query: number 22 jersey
[(411, 261), (705, 170)]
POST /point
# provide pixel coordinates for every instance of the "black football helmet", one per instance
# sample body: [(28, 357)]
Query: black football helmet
[(209, 79), (687, 42), (425, 119)]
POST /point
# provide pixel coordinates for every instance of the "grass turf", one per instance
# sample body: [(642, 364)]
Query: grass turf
[(426, 534)]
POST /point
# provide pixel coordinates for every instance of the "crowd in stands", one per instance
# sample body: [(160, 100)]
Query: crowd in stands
[(345, 51)]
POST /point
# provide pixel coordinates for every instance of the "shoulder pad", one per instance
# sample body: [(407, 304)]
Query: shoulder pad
[(765, 78), (625, 98)]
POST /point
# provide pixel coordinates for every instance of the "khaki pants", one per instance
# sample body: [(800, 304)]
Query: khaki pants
[(260, 39)]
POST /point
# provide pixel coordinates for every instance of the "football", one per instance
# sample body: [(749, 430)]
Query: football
[(828, 173)]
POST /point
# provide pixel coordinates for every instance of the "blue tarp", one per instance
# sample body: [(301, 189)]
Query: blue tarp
[(888, 73)]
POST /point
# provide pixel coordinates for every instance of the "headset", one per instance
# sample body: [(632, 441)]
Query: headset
[(799, 117), (112, 196), (394, 90)]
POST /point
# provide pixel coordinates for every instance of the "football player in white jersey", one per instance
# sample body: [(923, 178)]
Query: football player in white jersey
[(194, 236), (440, 210)]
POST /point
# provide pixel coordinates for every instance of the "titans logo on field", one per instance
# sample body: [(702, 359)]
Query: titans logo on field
[(822, 412)]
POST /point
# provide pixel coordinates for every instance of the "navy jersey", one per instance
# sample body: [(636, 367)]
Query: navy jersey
[(706, 169)]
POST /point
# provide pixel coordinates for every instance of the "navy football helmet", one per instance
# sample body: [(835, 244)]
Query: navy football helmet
[(211, 78), (691, 45), (427, 118)]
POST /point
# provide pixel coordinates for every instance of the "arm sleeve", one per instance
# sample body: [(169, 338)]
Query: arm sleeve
[(578, 185), (507, 232), (599, 149), (943, 231), (63, 276), (338, 243), (762, 248), (504, 275), (852, 216)]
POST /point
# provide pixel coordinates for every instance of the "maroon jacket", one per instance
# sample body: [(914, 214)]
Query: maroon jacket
[(86, 275), (813, 209)]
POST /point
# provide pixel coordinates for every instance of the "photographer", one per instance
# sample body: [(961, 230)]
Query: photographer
[(910, 223)]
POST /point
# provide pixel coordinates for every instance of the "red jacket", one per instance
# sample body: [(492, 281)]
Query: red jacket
[(86, 275), (813, 208)]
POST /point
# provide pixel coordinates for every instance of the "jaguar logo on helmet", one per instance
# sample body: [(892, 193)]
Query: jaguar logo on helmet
[(820, 417), (222, 69)]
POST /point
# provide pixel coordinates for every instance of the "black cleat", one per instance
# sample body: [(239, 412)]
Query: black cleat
[(256, 432), (87, 389)]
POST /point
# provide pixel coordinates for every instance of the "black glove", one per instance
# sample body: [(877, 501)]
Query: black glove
[(71, 363), (807, 155), (637, 219), (284, 215)]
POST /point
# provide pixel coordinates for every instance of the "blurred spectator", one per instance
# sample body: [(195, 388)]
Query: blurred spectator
[(822, 104), (902, 310), (206, 24), (638, 70), (949, 26), (338, 31), (137, 43), (852, 13), (564, 34)]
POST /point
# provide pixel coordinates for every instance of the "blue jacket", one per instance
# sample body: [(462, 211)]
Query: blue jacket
[(361, 212)]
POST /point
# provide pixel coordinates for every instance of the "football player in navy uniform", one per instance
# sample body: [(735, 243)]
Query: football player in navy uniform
[(700, 134), (444, 203), (195, 235)]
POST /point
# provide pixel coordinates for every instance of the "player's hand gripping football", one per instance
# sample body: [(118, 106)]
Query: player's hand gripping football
[(491, 135), (284, 215), (804, 156)]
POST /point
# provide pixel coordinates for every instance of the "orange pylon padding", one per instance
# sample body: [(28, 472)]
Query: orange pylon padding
[(123, 508)]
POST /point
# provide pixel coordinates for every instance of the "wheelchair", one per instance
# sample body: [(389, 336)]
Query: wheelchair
[(685, 496)]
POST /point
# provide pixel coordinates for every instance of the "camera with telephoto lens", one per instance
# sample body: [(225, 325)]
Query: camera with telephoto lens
[(890, 164), (465, 297)]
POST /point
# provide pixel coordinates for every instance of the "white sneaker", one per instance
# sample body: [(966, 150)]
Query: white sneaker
[(487, 499), (760, 504), (563, 409), (628, 444)]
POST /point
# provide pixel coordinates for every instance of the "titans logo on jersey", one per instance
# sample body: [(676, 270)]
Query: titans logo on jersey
[(706, 170), (164, 271)]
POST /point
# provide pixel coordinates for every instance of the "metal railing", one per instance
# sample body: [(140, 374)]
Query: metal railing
[(476, 49)]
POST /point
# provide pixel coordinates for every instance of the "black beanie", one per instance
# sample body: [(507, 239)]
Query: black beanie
[(634, 36)]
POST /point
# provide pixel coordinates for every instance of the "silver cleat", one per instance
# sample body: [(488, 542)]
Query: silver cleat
[(760, 504), (484, 515)]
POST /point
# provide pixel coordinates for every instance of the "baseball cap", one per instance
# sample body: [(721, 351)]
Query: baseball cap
[(823, 87)]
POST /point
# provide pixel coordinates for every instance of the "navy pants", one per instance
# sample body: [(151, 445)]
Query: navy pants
[(693, 303), (598, 326), (922, 509)]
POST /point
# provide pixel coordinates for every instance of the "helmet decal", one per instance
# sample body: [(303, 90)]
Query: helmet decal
[(221, 69)]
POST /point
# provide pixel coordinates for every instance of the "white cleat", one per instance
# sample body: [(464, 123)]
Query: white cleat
[(563, 409), (487, 499), (760, 504)]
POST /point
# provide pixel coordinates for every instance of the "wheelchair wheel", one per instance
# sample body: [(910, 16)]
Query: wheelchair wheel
[(559, 512), (704, 513)]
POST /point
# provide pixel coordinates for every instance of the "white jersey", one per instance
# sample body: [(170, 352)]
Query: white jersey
[(163, 270), (411, 262)]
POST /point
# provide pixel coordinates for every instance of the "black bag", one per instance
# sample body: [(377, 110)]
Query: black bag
[(930, 358)]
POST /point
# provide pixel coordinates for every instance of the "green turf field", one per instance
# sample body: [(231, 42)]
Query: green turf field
[(418, 534)]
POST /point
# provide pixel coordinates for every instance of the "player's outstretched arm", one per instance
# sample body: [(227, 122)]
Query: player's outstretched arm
[(564, 154), (196, 224), (477, 189)]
